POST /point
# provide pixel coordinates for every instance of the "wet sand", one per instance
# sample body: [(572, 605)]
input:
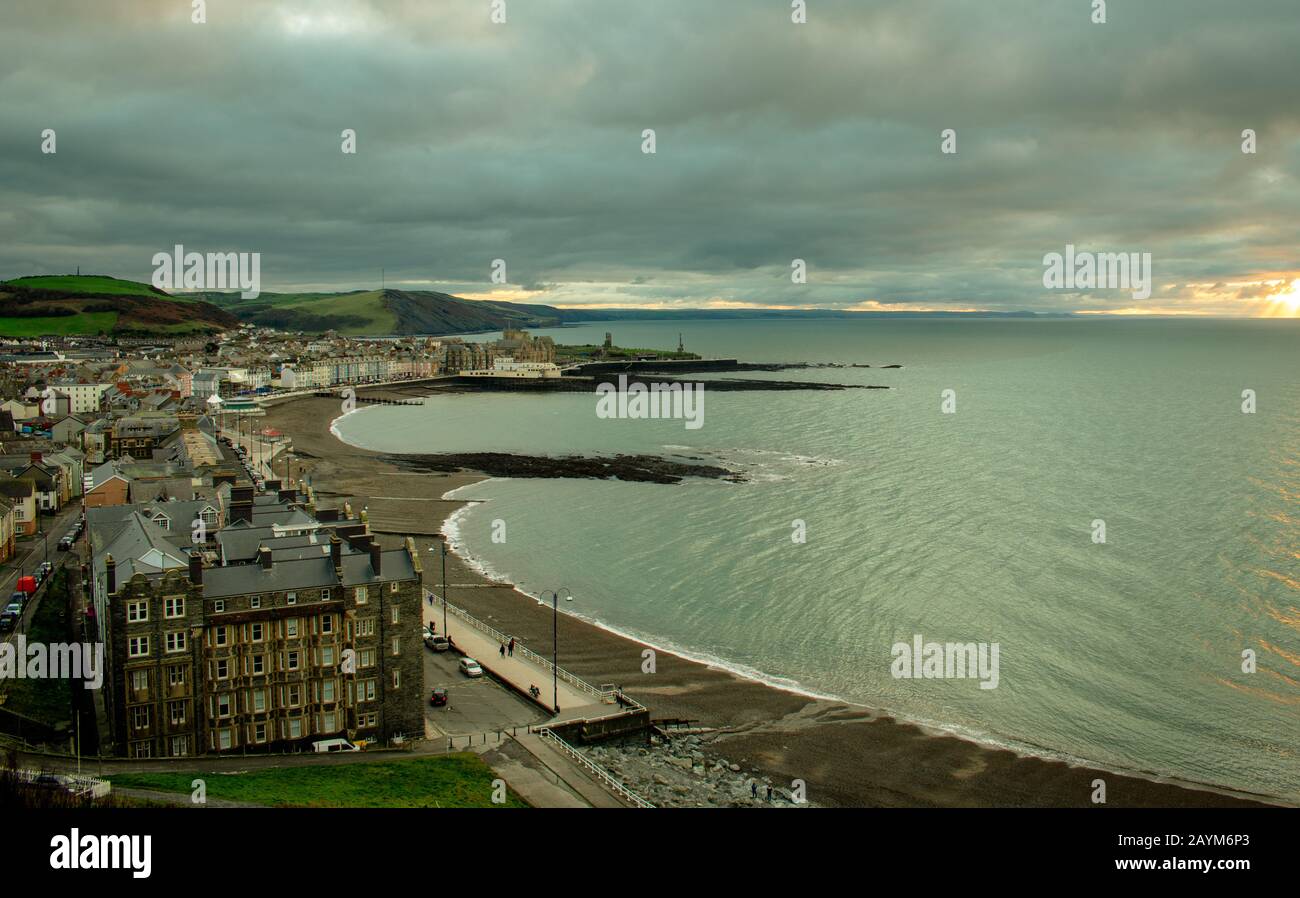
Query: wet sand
[(847, 754)]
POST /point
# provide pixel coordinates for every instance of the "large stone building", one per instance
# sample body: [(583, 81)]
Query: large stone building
[(312, 634)]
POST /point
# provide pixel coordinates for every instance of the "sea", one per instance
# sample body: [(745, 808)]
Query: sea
[(1113, 503)]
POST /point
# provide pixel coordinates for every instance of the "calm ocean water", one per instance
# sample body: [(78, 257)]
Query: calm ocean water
[(967, 527)]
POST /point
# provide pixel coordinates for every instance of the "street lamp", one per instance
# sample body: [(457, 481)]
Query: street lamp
[(555, 640), (444, 585)]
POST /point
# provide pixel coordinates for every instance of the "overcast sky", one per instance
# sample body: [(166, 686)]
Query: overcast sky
[(775, 141)]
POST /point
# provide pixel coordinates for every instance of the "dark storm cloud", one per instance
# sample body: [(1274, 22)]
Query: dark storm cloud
[(775, 142)]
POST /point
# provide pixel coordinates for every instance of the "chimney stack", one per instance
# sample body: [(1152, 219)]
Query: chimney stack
[(241, 511), (376, 558), (414, 555), (110, 568), (196, 568), (336, 551), (36, 458), (264, 556), (271, 486)]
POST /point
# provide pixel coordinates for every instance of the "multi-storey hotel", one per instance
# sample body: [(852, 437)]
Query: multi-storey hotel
[(302, 628)]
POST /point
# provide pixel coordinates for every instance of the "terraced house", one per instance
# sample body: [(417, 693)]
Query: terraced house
[(317, 635)]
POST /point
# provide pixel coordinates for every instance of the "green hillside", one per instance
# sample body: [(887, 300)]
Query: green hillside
[(88, 284), (65, 305), (382, 312)]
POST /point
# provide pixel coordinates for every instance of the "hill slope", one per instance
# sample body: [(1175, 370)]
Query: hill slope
[(383, 312), (93, 304)]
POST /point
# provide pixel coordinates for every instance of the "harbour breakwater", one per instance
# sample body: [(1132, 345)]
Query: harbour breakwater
[(589, 384)]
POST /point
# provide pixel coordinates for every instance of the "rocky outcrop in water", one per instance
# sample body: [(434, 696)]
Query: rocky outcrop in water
[(639, 468)]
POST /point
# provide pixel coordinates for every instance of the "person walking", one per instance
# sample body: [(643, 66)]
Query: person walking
[(503, 650), (512, 647), (753, 788), (769, 793)]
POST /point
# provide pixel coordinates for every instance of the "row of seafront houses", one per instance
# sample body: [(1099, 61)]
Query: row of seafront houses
[(62, 433)]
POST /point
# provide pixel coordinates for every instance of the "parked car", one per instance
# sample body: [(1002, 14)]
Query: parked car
[(52, 781), (470, 668), (17, 600), (438, 643), (46, 568), (438, 698), (64, 544), (333, 745), (8, 620)]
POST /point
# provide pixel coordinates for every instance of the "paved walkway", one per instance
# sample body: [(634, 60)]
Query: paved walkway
[(515, 670), (535, 782), (593, 793)]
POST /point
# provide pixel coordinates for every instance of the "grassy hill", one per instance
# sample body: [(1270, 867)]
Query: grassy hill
[(94, 304), (383, 312), (90, 284)]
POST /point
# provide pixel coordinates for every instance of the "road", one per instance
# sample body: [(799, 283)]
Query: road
[(260, 453), (476, 705), (42, 547)]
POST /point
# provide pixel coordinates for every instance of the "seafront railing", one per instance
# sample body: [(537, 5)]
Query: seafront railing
[(76, 783), (603, 695), (593, 768)]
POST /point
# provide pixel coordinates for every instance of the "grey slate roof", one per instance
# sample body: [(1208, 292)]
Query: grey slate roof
[(243, 579), (137, 546)]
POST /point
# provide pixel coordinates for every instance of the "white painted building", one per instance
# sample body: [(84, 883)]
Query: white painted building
[(83, 399), (505, 366)]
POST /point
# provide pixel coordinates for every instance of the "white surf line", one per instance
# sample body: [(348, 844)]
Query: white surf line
[(409, 499)]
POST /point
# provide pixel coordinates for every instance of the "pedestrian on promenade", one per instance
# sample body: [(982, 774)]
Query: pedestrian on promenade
[(753, 788), (769, 792), (512, 647), (503, 650)]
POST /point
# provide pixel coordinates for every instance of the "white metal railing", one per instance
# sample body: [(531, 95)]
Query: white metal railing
[(594, 769), (75, 783)]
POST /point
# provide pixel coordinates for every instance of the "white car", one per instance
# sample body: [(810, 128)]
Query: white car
[(470, 668)]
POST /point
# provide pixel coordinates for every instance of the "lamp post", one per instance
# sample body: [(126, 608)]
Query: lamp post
[(555, 642), (444, 585)]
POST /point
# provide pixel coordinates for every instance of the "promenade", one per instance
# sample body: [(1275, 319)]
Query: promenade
[(519, 671)]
